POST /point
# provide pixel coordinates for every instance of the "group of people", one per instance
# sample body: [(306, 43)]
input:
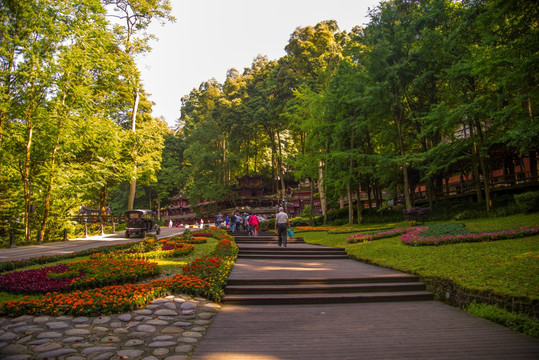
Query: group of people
[(246, 222), (251, 223)]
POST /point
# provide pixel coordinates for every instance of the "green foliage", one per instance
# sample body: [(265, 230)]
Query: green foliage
[(64, 275), (528, 202), (445, 229), (515, 321), (65, 111), (299, 221), (306, 212)]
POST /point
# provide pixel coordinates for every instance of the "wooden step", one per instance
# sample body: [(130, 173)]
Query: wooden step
[(294, 256), (292, 249), (289, 251), (376, 279), (324, 288), (266, 240), (297, 299)]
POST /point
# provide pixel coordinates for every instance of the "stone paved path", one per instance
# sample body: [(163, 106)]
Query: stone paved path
[(168, 328)]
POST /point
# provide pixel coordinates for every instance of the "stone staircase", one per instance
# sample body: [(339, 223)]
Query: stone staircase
[(260, 290)]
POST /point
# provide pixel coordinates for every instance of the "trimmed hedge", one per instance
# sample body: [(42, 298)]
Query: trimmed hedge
[(528, 202)]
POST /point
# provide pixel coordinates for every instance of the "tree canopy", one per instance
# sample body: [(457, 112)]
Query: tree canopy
[(65, 80), (424, 90)]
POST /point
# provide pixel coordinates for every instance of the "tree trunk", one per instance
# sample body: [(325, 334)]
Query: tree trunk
[(369, 190), (280, 165), (406, 183), (46, 210), (429, 192), (133, 184), (324, 185), (27, 190), (484, 169), (533, 165), (321, 190), (103, 201), (311, 214), (475, 174), (349, 185), (359, 204), (226, 171), (350, 203)]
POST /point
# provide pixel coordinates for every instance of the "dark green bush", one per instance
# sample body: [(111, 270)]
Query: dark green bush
[(515, 321), (528, 202), (299, 221), (377, 216), (445, 229)]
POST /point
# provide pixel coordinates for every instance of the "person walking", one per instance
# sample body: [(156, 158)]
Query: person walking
[(233, 223), (281, 223), (253, 225), (238, 221), (218, 220), (244, 219)]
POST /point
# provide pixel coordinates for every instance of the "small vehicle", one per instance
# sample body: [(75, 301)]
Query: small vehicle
[(140, 222)]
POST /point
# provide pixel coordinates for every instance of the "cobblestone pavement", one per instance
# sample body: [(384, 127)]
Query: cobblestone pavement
[(169, 328)]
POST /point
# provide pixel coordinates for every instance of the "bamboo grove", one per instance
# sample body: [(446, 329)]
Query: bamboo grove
[(68, 81), (425, 85)]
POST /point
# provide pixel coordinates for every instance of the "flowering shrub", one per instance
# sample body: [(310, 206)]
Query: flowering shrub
[(414, 236), (17, 264), (197, 240), (104, 270), (106, 300), (36, 280), (360, 237), (97, 271), (164, 249), (215, 268), (312, 228), (204, 267), (416, 214), (127, 297)]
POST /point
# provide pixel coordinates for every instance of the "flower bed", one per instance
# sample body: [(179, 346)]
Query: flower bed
[(36, 280), (167, 249), (127, 297), (414, 237), (17, 264), (362, 237), (97, 271)]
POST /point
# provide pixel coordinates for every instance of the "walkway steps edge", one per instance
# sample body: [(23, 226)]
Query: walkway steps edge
[(324, 281), (324, 288), (296, 256), (299, 299), (253, 250)]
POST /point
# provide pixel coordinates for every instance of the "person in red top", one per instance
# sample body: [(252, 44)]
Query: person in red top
[(253, 225)]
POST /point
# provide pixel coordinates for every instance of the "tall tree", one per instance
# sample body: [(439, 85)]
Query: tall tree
[(136, 16)]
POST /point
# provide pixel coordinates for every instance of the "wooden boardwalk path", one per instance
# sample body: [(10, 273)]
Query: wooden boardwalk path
[(373, 330)]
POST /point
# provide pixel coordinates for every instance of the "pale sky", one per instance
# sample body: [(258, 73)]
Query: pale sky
[(210, 37)]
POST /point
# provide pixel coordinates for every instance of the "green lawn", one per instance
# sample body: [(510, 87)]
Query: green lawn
[(503, 267)]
